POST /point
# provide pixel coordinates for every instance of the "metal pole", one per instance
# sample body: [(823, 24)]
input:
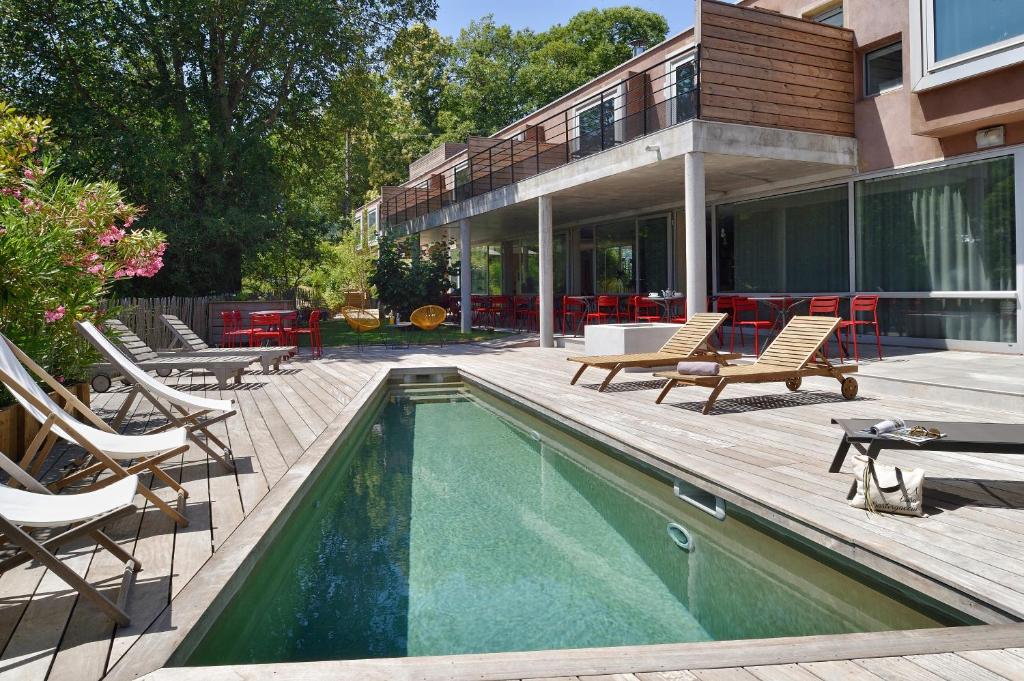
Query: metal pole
[(465, 277)]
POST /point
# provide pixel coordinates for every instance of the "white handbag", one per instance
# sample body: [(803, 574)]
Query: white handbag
[(886, 489)]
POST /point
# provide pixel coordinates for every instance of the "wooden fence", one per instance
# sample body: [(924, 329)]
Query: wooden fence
[(143, 316)]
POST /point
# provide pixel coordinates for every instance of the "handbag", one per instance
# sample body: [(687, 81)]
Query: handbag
[(886, 489)]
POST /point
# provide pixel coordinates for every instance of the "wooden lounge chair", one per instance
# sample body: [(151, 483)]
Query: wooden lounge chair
[(107, 449), (790, 357), (193, 413), (692, 342), (186, 340), (147, 359), (22, 511)]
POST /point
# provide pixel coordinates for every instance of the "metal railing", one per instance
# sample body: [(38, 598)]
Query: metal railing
[(663, 95)]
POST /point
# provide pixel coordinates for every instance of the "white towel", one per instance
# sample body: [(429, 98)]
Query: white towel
[(698, 368)]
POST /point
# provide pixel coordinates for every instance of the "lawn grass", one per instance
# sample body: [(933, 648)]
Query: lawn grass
[(337, 333)]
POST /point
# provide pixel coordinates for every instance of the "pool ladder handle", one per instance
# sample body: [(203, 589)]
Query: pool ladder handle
[(718, 511)]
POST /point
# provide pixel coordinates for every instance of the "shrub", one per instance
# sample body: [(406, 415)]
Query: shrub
[(407, 277), (63, 244)]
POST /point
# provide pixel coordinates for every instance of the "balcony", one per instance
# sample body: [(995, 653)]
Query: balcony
[(751, 67)]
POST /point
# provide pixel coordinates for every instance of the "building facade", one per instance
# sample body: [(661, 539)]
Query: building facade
[(777, 147)]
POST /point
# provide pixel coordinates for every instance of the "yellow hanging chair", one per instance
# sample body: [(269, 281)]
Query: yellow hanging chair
[(360, 320), (428, 317)]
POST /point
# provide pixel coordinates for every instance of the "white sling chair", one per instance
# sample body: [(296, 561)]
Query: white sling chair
[(105, 446), (87, 513), (181, 409)]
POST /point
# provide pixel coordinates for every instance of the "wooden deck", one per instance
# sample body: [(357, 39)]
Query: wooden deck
[(764, 448)]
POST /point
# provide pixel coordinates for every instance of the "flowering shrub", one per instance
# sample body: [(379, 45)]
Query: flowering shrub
[(63, 243)]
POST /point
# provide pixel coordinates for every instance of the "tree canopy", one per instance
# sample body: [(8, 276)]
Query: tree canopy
[(250, 128)]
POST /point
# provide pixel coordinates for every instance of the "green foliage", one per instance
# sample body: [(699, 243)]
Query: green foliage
[(406, 278), (343, 267), (190, 106), (63, 243)]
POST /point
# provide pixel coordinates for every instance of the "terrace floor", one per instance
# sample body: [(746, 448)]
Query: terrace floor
[(764, 448)]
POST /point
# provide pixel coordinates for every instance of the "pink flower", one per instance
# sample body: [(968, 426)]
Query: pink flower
[(11, 191), (111, 236), (95, 269), (92, 257), (29, 175), (129, 221), (52, 316), (28, 205)]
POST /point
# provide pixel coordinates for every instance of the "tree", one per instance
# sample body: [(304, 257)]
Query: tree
[(419, 68), (591, 43), (180, 100)]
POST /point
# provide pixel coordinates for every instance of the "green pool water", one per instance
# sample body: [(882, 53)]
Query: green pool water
[(452, 523)]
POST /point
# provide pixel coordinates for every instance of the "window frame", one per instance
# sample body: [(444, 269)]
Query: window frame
[(820, 14), (357, 224), (689, 55), (928, 73), (596, 101), (371, 237), (887, 49)]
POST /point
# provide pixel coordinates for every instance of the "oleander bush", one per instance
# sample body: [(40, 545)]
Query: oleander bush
[(63, 244)]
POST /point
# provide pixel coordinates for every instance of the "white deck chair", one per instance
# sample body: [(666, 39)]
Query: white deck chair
[(181, 409), (105, 446), (87, 513)]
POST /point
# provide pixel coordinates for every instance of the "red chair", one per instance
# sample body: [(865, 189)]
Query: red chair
[(481, 308), (862, 304), (233, 334), (828, 306), (724, 304), (644, 310), (313, 331), (606, 309), (740, 306), (574, 313), (266, 327), (502, 311)]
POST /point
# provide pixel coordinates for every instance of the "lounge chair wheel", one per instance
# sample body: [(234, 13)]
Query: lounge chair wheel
[(163, 373), (794, 383), (849, 388), (100, 383)]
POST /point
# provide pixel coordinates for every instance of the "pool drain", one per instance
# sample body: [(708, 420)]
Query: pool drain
[(678, 534)]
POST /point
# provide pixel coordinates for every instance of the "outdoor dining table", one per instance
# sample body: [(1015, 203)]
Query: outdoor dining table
[(666, 303), (282, 316), (782, 307)]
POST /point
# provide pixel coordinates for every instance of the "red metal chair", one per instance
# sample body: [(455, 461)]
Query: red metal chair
[(313, 331), (607, 308), (574, 313), (481, 308), (502, 311), (234, 335), (644, 309), (724, 304), (266, 327), (740, 306), (862, 304), (828, 306), (531, 314)]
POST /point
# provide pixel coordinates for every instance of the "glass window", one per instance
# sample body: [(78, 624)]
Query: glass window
[(961, 26), (462, 189), (596, 125), (883, 69), (652, 252), (686, 93), (526, 261), (833, 16), (953, 318), (615, 261), (485, 263), (358, 226), (950, 229), (794, 243), (371, 227)]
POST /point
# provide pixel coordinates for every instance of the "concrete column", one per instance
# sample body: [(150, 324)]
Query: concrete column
[(696, 235), (465, 277), (546, 255)]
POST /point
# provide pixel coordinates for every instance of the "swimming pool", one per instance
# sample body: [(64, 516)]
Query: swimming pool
[(453, 522)]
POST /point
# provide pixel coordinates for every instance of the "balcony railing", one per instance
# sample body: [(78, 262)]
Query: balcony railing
[(663, 95)]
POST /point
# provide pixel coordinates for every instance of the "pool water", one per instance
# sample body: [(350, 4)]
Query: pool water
[(453, 523)]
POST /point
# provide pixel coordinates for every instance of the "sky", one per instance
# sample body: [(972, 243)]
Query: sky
[(538, 15)]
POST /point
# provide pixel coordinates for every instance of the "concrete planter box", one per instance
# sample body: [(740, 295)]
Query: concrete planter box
[(620, 339)]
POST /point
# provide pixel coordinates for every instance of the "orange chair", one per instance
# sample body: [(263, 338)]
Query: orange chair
[(861, 304), (742, 305), (428, 317)]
